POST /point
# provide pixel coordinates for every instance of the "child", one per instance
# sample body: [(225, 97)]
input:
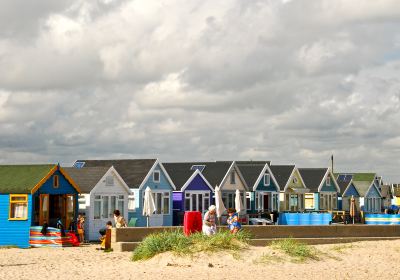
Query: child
[(103, 232), (81, 228), (233, 221)]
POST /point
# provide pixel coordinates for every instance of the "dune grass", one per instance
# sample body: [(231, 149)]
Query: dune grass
[(298, 251), (342, 247), (178, 243)]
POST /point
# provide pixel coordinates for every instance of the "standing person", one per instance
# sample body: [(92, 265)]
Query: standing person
[(119, 220), (209, 225), (80, 225), (233, 221)]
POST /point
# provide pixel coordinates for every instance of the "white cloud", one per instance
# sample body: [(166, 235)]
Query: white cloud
[(288, 81)]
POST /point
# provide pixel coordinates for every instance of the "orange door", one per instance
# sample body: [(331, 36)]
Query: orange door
[(44, 209), (69, 209)]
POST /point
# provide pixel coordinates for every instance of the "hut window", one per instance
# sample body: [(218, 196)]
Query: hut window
[(55, 181), (294, 180), (228, 199), (18, 207), (131, 203), (275, 202), (321, 201), (109, 181), (165, 203), (97, 207), (267, 179), (328, 181), (156, 176), (233, 178), (309, 201), (121, 204), (248, 200), (334, 201)]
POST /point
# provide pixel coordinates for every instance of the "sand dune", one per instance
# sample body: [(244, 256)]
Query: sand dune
[(361, 260)]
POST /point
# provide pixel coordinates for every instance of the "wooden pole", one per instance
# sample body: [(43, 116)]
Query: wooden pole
[(107, 245)]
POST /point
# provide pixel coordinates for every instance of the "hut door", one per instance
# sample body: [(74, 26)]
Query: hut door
[(69, 210), (44, 209)]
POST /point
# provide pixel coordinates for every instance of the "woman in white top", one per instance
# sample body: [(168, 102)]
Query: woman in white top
[(119, 220), (209, 225)]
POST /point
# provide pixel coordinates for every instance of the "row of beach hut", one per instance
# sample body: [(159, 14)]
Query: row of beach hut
[(31, 195)]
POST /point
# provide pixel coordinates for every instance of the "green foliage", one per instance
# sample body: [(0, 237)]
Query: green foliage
[(178, 243), (342, 247), (368, 177), (8, 247), (268, 259), (297, 250)]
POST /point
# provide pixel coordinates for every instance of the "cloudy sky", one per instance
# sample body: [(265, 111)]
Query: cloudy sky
[(288, 81)]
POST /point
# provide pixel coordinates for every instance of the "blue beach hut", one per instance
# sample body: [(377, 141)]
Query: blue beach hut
[(193, 191), (31, 195)]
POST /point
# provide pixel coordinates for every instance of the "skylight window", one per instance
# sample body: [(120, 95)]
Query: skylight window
[(198, 167), (79, 164)]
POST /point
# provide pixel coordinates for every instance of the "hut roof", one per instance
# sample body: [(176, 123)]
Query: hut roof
[(86, 178), (133, 171), (313, 177), (282, 174), (22, 178)]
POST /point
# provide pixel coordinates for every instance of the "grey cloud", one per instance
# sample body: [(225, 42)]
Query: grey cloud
[(290, 82)]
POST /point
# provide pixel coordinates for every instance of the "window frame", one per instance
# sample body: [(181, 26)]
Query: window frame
[(232, 178), (205, 201), (248, 197), (97, 199), (328, 181), (109, 181), (307, 198), (163, 195), (10, 202), (267, 175), (159, 176), (131, 197), (56, 182)]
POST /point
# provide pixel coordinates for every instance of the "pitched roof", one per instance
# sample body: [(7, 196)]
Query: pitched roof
[(214, 171), (282, 174), (86, 178), (386, 191), (22, 178), (369, 177), (362, 187), (256, 162), (343, 185), (313, 177), (251, 171), (179, 172), (133, 171)]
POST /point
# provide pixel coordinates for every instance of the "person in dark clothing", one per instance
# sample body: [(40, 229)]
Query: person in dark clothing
[(61, 227), (44, 228)]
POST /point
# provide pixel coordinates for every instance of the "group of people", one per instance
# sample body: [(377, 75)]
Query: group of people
[(119, 223), (80, 226), (210, 221)]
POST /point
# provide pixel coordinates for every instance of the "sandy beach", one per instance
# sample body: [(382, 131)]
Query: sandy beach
[(360, 260)]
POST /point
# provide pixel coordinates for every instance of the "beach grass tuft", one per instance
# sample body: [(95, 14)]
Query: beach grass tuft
[(298, 251), (342, 247), (176, 242)]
